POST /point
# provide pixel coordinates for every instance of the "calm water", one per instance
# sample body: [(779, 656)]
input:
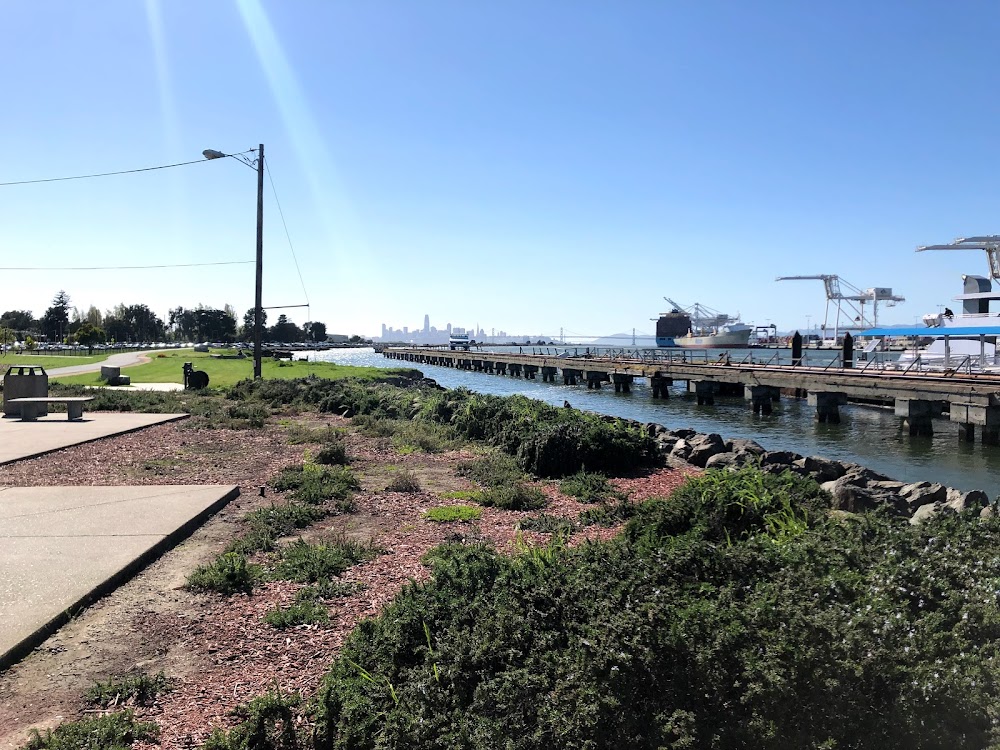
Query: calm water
[(866, 435)]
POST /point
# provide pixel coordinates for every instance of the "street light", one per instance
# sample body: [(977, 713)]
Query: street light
[(258, 310)]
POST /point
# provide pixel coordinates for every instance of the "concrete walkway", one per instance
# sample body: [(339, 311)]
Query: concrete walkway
[(20, 440), (63, 547), (121, 359)]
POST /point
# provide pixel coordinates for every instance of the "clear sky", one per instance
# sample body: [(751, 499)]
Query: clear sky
[(522, 165)]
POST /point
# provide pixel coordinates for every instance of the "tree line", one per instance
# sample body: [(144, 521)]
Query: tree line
[(63, 323)]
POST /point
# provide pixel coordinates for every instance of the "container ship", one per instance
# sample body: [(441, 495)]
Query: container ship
[(700, 327)]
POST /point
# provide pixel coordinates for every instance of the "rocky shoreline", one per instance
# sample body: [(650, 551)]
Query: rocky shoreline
[(854, 488)]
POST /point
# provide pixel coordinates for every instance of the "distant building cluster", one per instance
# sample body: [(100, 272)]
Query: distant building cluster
[(431, 335)]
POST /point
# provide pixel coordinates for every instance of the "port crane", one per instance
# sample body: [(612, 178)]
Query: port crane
[(854, 301), (704, 317), (989, 243)]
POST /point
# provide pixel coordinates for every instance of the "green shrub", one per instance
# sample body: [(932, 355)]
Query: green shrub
[(267, 723), (308, 563), (248, 414), (333, 453), (304, 611), (446, 513), (609, 514), (267, 525), (328, 589), (136, 688), (737, 614), (230, 573), (546, 524), (427, 437), (518, 496), (299, 433), (114, 731), (589, 487), (492, 469), (315, 485), (403, 481)]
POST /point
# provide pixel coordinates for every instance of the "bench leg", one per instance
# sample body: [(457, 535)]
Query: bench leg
[(29, 412), (74, 410)]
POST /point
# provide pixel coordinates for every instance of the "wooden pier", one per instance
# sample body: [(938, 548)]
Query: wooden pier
[(968, 399)]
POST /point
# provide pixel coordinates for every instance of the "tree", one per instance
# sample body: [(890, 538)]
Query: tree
[(89, 335), (285, 330), (314, 331), (18, 320), (247, 330), (55, 321)]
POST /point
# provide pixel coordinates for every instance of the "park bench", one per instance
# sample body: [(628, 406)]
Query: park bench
[(29, 406)]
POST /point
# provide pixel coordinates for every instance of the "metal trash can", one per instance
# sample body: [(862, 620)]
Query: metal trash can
[(24, 381)]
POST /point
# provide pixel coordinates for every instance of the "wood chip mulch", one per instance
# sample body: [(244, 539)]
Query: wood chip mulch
[(232, 655)]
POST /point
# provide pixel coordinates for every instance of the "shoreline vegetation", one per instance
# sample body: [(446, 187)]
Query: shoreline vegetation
[(581, 581)]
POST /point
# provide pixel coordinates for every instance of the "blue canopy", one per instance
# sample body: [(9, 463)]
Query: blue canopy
[(935, 332)]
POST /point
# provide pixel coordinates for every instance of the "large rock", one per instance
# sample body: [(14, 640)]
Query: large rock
[(725, 460), (923, 493), (681, 450), (924, 512), (959, 501), (742, 445), (780, 458), (849, 496), (703, 447), (821, 469), (683, 432)]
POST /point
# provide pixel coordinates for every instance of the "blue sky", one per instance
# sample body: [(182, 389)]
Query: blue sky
[(526, 166)]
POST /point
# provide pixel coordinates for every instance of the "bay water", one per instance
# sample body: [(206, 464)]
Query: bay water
[(867, 435)]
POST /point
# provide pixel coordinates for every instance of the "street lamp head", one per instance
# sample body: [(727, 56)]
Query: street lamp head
[(211, 153)]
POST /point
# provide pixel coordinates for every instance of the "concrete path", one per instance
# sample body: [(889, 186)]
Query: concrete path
[(121, 359), (63, 547), (19, 440)]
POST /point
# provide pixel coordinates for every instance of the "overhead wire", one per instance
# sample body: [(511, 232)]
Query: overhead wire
[(101, 174), (288, 237), (125, 268)]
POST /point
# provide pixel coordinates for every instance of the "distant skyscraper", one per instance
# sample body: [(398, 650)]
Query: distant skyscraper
[(427, 323)]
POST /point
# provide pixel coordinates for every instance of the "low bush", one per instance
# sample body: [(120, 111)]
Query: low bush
[(266, 723), (304, 611), (307, 563), (737, 615), (267, 525), (230, 573), (313, 484), (333, 453), (329, 589), (547, 524), (113, 731), (492, 469), (446, 513), (403, 481), (136, 688), (517, 496), (608, 514), (589, 487)]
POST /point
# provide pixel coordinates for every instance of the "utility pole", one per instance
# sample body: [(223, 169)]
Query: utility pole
[(258, 311)]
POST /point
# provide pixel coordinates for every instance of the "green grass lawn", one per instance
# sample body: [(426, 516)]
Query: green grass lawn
[(48, 361), (168, 367)]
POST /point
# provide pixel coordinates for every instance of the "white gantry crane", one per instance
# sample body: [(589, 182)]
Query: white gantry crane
[(989, 243), (854, 302)]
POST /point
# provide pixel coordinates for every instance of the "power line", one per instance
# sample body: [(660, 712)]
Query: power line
[(101, 174), (287, 235), (124, 268)]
